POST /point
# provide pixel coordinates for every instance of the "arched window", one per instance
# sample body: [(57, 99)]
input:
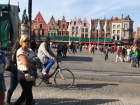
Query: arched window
[(113, 37), (118, 37)]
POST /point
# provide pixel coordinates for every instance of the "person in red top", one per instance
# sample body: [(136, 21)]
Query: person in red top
[(118, 54)]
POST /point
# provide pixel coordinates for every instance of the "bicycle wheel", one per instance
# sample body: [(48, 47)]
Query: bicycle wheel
[(64, 79), (38, 81)]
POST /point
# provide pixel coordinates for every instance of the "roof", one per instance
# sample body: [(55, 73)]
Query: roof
[(127, 18), (116, 19)]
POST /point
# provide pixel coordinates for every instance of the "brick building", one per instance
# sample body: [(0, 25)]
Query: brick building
[(94, 31), (63, 28), (52, 27), (39, 26)]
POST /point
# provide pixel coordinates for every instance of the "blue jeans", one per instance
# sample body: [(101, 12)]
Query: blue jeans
[(106, 57), (135, 61), (13, 85), (48, 65)]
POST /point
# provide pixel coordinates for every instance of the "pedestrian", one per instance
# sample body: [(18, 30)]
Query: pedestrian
[(128, 53), (2, 69), (65, 48), (118, 55), (106, 53), (123, 53), (135, 61), (59, 49), (33, 45), (13, 75), (25, 74), (80, 47), (92, 49)]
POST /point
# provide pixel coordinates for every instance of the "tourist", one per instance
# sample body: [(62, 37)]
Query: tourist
[(128, 53), (59, 49), (106, 53), (13, 75), (123, 54), (24, 62), (80, 47), (118, 55), (2, 82), (65, 48)]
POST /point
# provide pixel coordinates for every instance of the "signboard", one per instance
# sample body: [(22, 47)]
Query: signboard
[(0, 13)]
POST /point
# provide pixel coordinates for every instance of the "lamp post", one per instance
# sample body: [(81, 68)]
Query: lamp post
[(30, 16)]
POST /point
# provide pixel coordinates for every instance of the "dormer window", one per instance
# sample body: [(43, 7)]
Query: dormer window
[(74, 22)]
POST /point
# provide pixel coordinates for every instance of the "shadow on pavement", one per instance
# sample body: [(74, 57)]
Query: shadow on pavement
[(93, 85), (69, 101), (77, 58)]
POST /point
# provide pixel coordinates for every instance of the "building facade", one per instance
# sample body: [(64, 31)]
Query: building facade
[(39, 26), (63, 28), (52, 27), (74, 26), (84, 31), (122, 29), (94, 32)]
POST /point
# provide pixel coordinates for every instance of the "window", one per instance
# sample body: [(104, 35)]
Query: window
[(53, 27), (93, 23), (76, 28), (72, 28), (117, 37), (82, 30), (73, 34), (52, 22), (114, 26), (33, 32), (114, 37), (40, 25), (76, 34), (48, 34), (74, 22), (42, 32), (118, 31), (63, 25), (124, 34), (114, 31), (67, 33), (100, 23), (82, 35), (49, 27), (118, 26), (86, 36), (84, 24), (125, 26), (51, 34), (86, 30), (93, 29), (54, 33)]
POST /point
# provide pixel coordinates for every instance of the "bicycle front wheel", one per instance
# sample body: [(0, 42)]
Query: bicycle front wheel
[(64, 79)]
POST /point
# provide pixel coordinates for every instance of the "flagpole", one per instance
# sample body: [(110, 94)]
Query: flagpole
[(98, 39), (105, 38)]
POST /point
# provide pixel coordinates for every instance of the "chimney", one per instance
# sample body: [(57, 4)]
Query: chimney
[(122, 16)]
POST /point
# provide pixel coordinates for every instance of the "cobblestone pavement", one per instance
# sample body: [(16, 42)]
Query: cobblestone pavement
[(85, 92), (118, 83)]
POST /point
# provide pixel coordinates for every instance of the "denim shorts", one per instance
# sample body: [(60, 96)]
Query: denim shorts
[(2, 84)]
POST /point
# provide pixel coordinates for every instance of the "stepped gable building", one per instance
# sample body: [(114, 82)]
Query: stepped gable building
[(122, 29), (52, 27), (39, 26), (94, 31), (63, 28), (85, 27), (74, 28)]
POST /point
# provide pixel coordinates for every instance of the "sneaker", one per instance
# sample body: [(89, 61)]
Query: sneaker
[(49, 83), (34, 102)]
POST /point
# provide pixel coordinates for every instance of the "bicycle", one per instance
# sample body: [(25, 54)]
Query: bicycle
[(60, 76)]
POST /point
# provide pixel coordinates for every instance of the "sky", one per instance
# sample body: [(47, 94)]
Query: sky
[(91, 9)]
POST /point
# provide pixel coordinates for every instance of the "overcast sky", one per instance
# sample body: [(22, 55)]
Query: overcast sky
[(91, 9)]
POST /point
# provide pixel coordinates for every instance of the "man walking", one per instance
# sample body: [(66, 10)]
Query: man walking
[(118, 54)]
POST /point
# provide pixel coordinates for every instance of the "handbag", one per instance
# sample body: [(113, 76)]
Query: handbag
[(10, 66), (28, 77)]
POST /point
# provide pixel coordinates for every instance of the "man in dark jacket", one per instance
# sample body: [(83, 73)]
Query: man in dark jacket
[(123, 53)]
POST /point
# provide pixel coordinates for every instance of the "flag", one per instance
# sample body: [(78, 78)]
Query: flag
[(98, 25), (105, 25), (90, 27), (69, 27), (37, 24), (79, 27)]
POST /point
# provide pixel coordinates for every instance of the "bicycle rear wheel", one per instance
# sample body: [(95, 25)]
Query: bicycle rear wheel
[(64, 79), (39, 79)]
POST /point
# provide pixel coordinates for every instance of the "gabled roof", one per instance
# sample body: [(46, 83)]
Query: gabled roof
[(116, 19)]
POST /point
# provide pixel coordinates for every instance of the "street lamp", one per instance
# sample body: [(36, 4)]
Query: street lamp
[(30, 16)]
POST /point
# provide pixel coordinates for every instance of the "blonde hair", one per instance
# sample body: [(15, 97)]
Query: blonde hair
[(23, 38)]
